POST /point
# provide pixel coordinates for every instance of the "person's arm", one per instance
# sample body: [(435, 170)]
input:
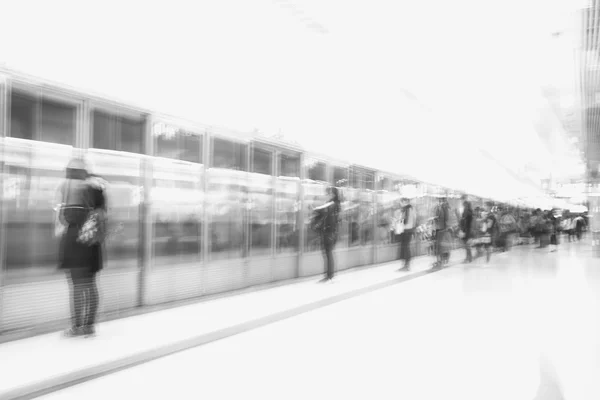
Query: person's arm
[(324, 206)]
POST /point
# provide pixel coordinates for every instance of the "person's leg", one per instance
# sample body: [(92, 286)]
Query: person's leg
[(399, 241), (77, 303), (93, 303), (407, 253), (330, 261)]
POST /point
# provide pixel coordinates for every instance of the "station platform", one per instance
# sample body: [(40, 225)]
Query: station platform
[(525, 325), (34, 366)]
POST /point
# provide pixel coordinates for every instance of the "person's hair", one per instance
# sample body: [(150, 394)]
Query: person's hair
[(76, 169), (335, 193)]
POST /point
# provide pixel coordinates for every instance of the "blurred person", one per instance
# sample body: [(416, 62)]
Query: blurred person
[(507, 226), (567, 223), (81, 212), (578, 226), (466, 223), (554, 228), (487, 228), (409, 219), (476, 231), (328, 216), (442, 233), (398, 225)]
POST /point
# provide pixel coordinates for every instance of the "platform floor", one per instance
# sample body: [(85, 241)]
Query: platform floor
[(523, 326)]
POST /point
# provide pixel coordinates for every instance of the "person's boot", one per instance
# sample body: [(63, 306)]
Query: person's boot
[(74, 331), (89, 330)]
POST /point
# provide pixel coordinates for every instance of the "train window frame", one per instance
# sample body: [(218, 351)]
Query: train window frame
[(290, 155), (181, 128), (335, 167), (245, 144), (42, 94), (263, 149), (117, 112), (309, 161)]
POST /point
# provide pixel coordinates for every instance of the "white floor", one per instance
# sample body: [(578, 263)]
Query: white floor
[(523, 327)]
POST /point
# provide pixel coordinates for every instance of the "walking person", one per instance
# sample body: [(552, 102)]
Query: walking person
[(81, 214), (409, 219), (442, 233), (466, 223), (328, 218)]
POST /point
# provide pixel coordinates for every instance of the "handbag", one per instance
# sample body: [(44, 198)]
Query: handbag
[(93, 230)]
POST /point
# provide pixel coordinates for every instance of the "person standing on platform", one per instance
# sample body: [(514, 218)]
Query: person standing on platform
[(81, 219), (409, 219), (328, 215), (442, 234), (554, 227), (466, 223)]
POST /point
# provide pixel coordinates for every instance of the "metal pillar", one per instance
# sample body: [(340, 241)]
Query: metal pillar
[(3, 134)]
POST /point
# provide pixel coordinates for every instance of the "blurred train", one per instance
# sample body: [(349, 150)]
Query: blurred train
[(194, 210)]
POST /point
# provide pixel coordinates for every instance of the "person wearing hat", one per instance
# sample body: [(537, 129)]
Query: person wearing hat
[(409, 219), (78, 257)]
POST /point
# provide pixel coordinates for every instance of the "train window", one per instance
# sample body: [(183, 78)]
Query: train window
[(340, 176), (192, 147), (102, 127), (229, 155), (22, 116), (112, 132), (132, 135), (172, 142), (262, 161), (58, 122), (369, 179), (317, 172), (44, 120), (289, 165), (355, 179), (384, 183)]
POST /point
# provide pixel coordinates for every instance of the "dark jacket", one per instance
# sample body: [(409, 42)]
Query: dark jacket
[(466, 221), (79, 197)]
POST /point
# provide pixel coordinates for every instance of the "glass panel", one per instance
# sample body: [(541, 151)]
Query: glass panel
[(366, 215), (192, 145), (33, 172), (351, 214), (124, 196), (288, 208), (388, 201), (340, 176), (132, 135), (355, 179), (317, 171), (261, 213), (262, 161), (177, 202), (315, 194), (22, 116), (226, 208), (103, 131), (229, 155), (166, 141), (58, 122), (172, 142), (369, 181), (289, 165)]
